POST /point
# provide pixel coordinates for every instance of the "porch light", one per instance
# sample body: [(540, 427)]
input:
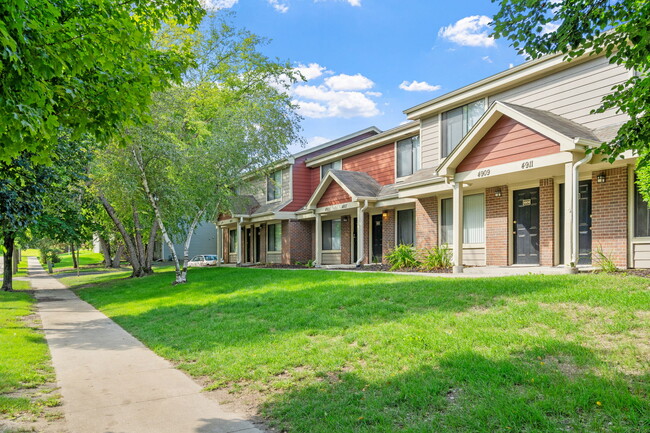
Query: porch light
[(384, 214), (497, 193), (345, 219), (601, 178)]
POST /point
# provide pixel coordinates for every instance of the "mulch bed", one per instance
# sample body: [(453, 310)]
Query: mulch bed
[(637, 272)]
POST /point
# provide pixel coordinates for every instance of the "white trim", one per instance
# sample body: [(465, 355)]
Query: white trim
[(515, 166), (336, 141)]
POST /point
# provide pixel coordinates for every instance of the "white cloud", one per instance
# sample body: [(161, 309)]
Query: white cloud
[(469, 31), (549, 28), (333, 103), (349, 82), (418, 86), (376, 94), (311, 71), (486, 59), (280, 7), (213, 5), (511, 65)]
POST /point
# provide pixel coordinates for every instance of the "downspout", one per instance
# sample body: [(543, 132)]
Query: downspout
[(360, 235), (575, 211)]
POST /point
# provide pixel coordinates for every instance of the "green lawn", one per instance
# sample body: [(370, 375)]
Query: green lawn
[(24, 357), (85, 258), (348, 352), (22, 267)]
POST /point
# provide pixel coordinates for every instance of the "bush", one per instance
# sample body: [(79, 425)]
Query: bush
[(604, 263), (437, 258), (49, 254), (403, 257)]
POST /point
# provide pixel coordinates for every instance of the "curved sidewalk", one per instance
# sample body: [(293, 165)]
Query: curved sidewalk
[(110, 382)]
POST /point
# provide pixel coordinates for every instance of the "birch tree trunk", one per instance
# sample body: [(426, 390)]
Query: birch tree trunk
[(151, 244), (106, 251), (118, 256), (186, 246)]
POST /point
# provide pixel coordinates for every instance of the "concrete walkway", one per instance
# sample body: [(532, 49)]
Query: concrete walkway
[(110, 382)]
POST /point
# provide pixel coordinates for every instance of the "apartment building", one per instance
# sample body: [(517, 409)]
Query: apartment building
[(498, 170)]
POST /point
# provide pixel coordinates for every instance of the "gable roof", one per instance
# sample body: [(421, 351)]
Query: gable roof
[(357, 184), (567, 133)]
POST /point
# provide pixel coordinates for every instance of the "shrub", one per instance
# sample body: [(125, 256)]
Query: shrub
[(604, 263), (437, 258), (403, 257)]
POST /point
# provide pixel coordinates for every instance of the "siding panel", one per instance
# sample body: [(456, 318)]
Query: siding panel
[(334, 195), (429, 138), (641, 255), (378, 163)]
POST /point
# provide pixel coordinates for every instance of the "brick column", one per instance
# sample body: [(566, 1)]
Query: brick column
[(226, 245), (346, 234), (388, 232), (546, 222), (497, 228), (301, 241), (426, 222), (609, 214), (286, 243), (263, 240)]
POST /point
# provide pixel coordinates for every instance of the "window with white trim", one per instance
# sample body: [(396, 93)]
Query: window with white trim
[(331, 231), (334, 165), (408, 156), (641, 214), (473, 220), (274, 186), (274, 237), (406, 227), (456, 124)]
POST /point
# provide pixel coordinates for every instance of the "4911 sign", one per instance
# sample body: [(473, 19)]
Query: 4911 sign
[(527, 164)]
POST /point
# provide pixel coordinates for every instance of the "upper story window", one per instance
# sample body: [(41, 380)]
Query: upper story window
[(457, 122), (274, 186), (334, 165), (408, 156), (641, 215)]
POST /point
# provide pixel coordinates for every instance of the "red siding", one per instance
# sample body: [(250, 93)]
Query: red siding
[(306, 180), (334, 195), (507, 141), (378, 163)]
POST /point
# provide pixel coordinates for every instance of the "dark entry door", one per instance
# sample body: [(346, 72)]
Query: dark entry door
[(355, 256), (584, 222), (377, 239), (526, 226), (258, 243)]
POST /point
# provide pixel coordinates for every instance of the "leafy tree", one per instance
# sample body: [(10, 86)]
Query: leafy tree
[(231, 115), (86, 65), (619, 29)]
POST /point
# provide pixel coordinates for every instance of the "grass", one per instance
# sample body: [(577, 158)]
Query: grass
[(22, 267), (85, 258), (349, 352), (31, 252), (24, 357)]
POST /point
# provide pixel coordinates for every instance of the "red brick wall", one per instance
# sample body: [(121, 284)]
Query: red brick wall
[(507, 141), (299, 234), (609, 214), (378, 163), (497, 229), (226, 245), (426, 222), (334, 195), (546, 220), (346, 233), (388, 233)]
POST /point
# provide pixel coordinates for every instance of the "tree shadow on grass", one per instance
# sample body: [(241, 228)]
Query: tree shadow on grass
[(468, 392)]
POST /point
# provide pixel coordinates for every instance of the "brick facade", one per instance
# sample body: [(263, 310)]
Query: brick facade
[(388, 232), (497, 229), (346, 239), (300, 242), (546, 222), (426, 222), (609, 214)]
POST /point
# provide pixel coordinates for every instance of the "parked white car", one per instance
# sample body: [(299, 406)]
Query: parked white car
[(203, 260)]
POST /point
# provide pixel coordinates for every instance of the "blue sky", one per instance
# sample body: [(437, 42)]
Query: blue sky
[(368, 60)]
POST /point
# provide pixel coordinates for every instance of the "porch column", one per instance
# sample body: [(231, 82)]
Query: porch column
[(240, 239), (319, 240), (567, 208), (360, 235), (458, 227), (219, 245)]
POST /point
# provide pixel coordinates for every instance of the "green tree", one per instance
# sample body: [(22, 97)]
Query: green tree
[(87, 65), (619, 29)]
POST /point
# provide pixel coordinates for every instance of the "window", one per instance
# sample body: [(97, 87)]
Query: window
[(408, 156), (457, 122), (405, 227), (274, 237), (232, 238), (641, 215), (332, 235), (274, 186), (473, 220), (334, 165)]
